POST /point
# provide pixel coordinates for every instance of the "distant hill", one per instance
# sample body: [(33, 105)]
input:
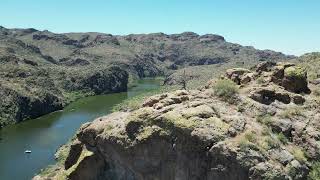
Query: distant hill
[(41, 71)]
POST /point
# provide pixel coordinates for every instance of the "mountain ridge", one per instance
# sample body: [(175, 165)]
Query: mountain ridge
[(37, 64)]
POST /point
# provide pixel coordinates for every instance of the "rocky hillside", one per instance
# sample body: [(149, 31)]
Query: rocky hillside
[(41, 71), (258, 123)]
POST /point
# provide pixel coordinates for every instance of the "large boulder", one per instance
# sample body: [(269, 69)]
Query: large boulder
[(239, 75), (269, 95), (295, 80)]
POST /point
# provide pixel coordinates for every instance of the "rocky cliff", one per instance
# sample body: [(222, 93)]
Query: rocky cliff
[(258, 123), (28, 93)]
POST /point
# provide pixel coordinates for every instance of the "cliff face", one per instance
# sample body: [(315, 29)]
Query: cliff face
[(38, 94), (261, 123)]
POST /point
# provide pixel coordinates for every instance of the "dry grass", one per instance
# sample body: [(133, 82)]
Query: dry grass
[(291, 112)]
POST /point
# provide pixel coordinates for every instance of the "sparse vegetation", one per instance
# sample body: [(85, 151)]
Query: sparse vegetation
[(314, 174), (282, 138), (260, 80), (251, 137), (316, 91), (291, 112), (249, 140), (311, 62), (265, 119), (245, 144), (225, 89), (271, 143), (135, 102), (299, 154)]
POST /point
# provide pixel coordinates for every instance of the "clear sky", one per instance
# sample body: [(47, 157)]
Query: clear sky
[(289, 26)]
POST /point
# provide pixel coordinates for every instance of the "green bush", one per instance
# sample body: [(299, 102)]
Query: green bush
[(225, 89), (251, 137), (265, 119), (297, 72), (299, 154), (314, 174), (282, 138), (272, 143), (260, 80)]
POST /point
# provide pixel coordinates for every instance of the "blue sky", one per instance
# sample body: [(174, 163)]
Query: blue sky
[(289, 26)]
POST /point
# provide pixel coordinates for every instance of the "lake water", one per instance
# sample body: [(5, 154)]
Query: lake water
[(44, 135)]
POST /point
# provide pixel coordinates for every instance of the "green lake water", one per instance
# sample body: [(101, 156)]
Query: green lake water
[(44, 135)]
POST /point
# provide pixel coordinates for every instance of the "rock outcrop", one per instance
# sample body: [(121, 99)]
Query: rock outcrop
[(269, 132)]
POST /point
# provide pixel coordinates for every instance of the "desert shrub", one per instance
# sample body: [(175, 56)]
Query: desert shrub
[(265, 119), (260, 80), (299, 154), (251, 137), (266, 131), (272, 143), (245, 144), (241, 108), (225, 89), (314, 174), (282, 138), (248, 141)]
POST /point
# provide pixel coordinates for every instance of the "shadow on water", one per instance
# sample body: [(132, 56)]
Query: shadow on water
[(45, 134)]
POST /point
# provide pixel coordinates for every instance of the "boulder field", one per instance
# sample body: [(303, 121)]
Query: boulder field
[(259, 123)]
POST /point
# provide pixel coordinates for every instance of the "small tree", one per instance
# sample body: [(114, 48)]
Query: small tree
[(184, 79)]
